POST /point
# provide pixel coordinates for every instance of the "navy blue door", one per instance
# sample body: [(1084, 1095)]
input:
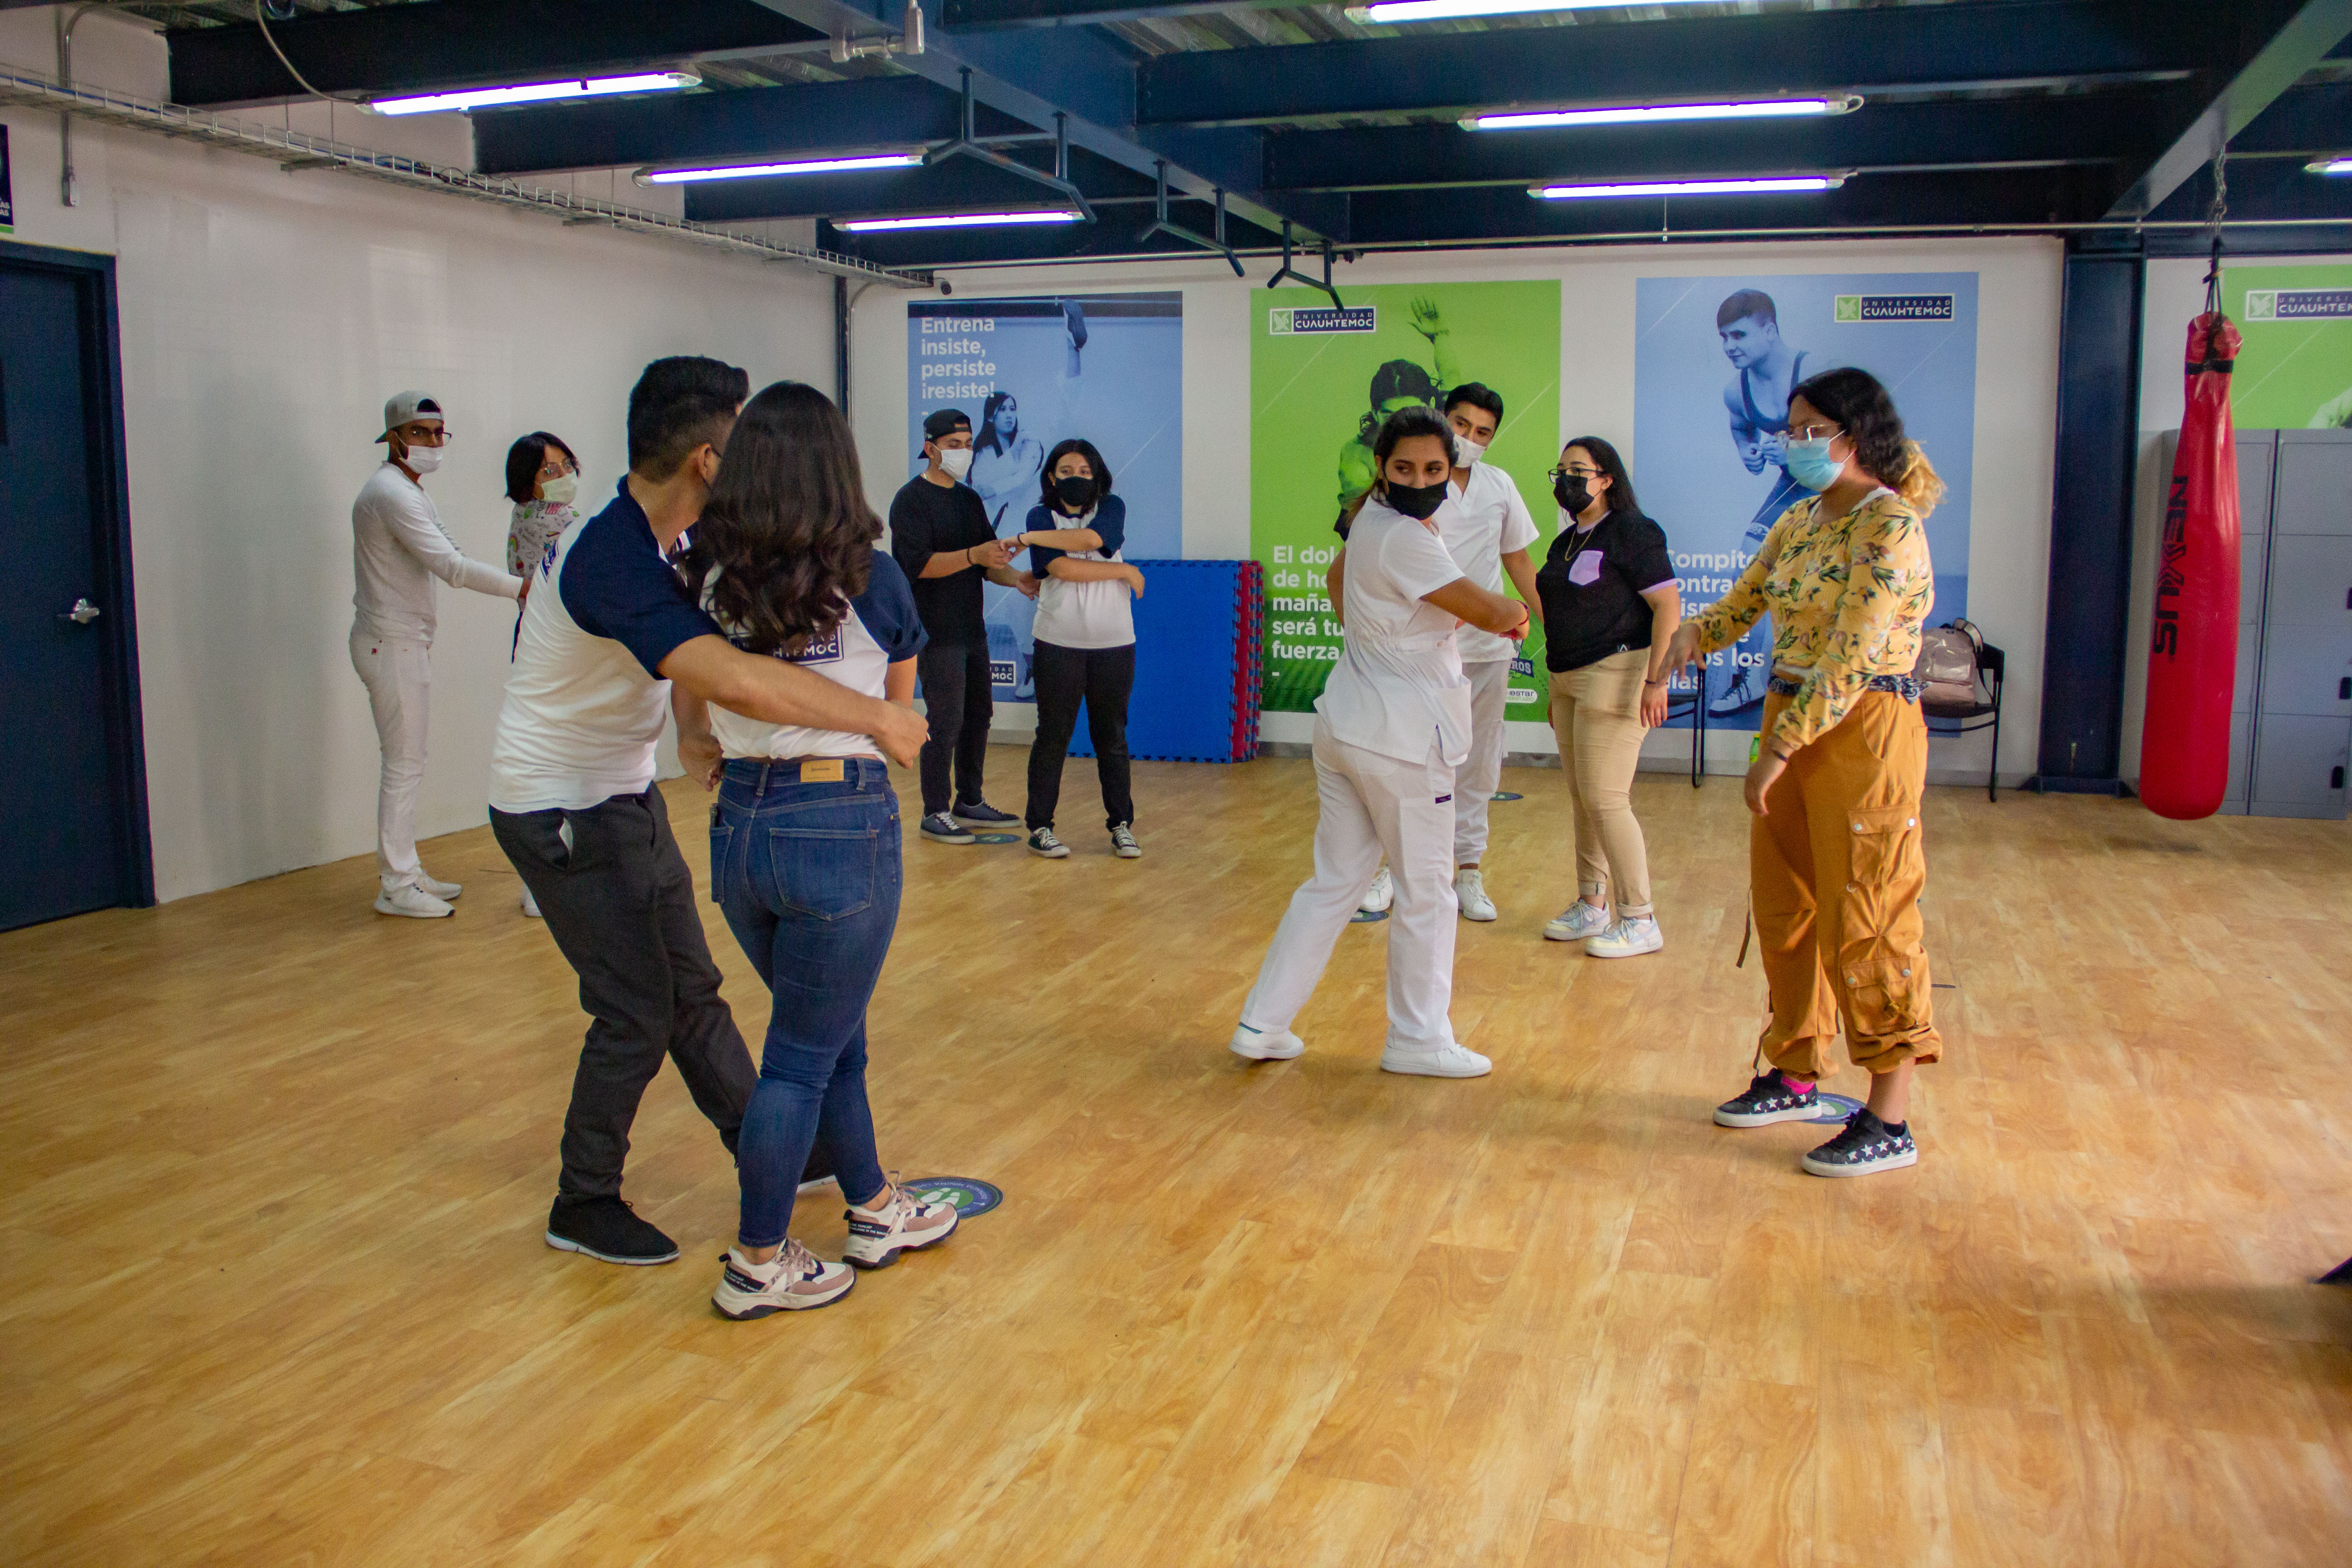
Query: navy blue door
[(62, 845)]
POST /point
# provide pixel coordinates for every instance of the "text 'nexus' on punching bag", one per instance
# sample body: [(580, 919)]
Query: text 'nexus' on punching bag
[(2192, 657)]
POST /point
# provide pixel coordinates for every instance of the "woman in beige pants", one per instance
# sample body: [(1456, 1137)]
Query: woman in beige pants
[(1610, 603)]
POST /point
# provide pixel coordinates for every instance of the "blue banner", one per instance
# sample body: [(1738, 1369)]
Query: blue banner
[(1714, 361), (1030, 372)]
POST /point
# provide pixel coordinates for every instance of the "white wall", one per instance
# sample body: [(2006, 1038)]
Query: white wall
[(265, 318), (2174, 295), (2016, 413)]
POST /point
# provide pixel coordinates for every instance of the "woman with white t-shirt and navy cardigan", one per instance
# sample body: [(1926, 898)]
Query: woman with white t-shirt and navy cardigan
[(805, 844), (1393, 724), (1085, 640)]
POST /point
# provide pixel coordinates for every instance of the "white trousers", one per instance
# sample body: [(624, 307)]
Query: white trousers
[(1482, 771), (399, 681), (1371, 805)]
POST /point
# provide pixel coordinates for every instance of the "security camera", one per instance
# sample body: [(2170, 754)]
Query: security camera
[(946, 287)]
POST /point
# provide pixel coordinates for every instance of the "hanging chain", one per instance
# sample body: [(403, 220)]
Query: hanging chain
[(2216, 211)]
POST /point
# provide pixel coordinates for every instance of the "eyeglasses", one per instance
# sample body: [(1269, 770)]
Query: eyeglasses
[(1557, 473), (1816, 432), (410, 435)]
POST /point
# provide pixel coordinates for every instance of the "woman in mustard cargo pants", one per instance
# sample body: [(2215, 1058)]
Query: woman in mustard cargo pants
[(1835, 866)]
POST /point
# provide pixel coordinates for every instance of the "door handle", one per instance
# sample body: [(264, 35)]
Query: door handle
[(82, 614)]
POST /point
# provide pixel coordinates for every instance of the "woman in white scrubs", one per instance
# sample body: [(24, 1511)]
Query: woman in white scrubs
[(1391, 727)]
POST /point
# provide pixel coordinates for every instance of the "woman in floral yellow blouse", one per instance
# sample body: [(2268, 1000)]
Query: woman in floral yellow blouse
[(1835, 866)]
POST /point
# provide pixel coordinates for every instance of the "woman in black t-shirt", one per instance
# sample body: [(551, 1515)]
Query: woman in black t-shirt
[(1611, 605)]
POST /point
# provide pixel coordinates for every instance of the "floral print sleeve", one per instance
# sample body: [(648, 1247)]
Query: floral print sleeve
[(1726, 620), (1860, 607)]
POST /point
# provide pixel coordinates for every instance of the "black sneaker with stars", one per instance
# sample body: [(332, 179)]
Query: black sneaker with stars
[(1866, 1145), (1767, 1100)]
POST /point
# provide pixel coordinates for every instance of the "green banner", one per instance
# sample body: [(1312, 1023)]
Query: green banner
[(2295, 372), (1320, 381)]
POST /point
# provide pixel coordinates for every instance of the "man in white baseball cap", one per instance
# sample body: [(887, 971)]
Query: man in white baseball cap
[(398, 548)]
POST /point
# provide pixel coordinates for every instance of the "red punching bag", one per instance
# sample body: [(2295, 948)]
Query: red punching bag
[(2192, 658)]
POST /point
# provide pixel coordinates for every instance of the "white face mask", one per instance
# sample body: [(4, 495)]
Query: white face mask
[(1467, 451), (422, 460), (957, 461), (561, 491)]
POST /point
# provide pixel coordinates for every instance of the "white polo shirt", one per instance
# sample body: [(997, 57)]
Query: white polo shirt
[(1398, 688), (1489, 522), (877, 629), (585, 702)]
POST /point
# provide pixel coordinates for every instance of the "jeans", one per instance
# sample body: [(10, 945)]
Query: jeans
[(619, 903), (958, 698), (808, 875), (1102, 677)]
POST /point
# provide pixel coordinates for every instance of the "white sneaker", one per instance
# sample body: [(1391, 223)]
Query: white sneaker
[(1452, 1061), (530, 906), (1470, 892), (1266, 1044), (413, 902), (1381, 894), (793, 1280), (897, 1222), (446, 891), (1626, 939), (1576, 922)]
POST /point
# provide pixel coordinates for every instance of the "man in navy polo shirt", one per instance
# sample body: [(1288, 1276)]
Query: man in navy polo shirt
[(574, 806)]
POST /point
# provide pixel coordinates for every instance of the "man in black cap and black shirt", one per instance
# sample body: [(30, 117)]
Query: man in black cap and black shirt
[(940, 533)]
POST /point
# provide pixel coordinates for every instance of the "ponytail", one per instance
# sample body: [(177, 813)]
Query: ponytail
[(1920, 486)]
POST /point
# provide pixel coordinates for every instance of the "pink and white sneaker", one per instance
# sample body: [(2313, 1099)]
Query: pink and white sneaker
[(793, 1280), (897, 1222)]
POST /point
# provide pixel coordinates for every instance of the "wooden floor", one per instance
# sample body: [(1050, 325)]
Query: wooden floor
[(272, 1289)]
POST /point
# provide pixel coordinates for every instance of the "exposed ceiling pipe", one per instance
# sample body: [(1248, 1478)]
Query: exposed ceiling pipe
[(294, 150)]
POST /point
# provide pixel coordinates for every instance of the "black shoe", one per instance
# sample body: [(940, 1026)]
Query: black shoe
[(1767, 1100), (941, 828), (980, 813), (1043, 842), (607, 1231), (1866, 1145)]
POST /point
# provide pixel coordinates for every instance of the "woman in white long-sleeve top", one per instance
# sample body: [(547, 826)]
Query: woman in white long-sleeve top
[(1393, 724)]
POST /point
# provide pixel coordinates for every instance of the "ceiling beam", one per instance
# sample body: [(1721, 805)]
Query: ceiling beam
[(722, 127), (1086, 75), (1880, 48), (1989, 198), (2274, 44), (1981, 133), (383, 50), (972, 15)]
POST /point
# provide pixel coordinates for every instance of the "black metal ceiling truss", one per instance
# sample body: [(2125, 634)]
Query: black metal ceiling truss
[(1979, 115)]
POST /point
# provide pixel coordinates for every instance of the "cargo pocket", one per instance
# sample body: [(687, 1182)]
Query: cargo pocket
[(1883, 969)]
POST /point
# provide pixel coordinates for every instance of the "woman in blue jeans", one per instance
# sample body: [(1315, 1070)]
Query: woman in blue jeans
[(805, 844)]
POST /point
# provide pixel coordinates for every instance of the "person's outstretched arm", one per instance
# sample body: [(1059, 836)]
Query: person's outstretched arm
[(420, 534), (1466, 601)]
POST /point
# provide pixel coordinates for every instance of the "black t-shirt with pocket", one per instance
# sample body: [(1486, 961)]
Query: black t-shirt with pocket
[(927, 519), (1591, 586)]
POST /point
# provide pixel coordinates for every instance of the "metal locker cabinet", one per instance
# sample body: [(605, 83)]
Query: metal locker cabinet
[(2257, 450), (2303, 729)]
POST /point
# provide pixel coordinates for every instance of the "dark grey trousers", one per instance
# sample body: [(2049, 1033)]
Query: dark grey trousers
[(619, 901)]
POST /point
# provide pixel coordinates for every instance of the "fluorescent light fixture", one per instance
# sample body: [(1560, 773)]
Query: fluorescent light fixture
[(1658, 113), (954, 220), (1446, 10), (536, 93), (2341, 165), (1688, 188), (765, 171)]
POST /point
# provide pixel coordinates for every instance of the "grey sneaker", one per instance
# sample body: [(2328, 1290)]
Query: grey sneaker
[(941, 828), (1123, 844), (793, 1280), (1043, 842)]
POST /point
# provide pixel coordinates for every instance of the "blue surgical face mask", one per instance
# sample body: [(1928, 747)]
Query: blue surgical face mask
[(1810, 465)]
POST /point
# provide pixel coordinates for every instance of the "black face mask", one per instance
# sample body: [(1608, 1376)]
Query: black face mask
[(1419, 502), (1572, 492), (1076, 494)]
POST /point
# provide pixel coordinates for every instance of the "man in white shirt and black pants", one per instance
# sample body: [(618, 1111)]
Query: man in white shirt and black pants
[(573, 803), (398, 548)]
